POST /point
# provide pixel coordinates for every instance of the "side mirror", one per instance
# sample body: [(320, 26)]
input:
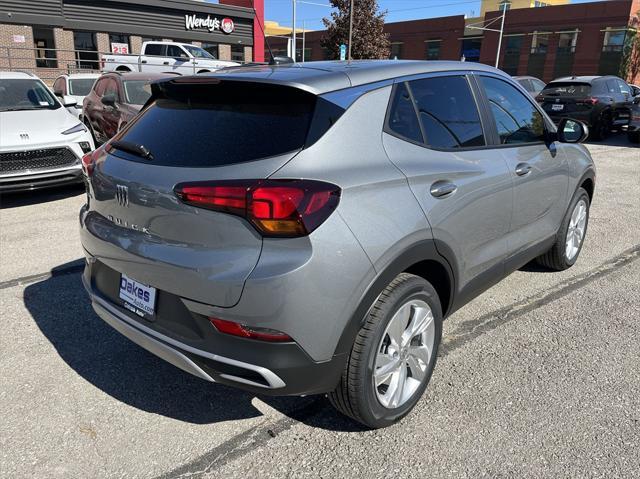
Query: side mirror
[(572, 131), (58, 92), (109, 100), (68, 101), (636, 100)]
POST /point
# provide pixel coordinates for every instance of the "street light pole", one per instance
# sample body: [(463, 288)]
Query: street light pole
[(293, 32), (350, 29), (504, 14)]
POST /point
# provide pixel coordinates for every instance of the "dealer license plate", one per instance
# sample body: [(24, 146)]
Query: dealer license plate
[(557, 107), (138, 298)]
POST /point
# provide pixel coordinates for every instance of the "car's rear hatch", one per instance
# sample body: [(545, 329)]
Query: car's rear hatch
[(135, 223), (562, 98)]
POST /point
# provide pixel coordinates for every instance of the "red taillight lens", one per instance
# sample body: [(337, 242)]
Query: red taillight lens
[(89, 161), (240, 330), (589, 101), (282, 208)]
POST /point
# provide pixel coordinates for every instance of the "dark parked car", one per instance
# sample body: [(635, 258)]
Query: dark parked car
[(601, 102), (533, 85), (633, 131), (114, 100)]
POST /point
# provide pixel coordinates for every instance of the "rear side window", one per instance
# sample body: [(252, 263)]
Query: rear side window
[(448, 112), (571, 89), (517, 120), (217, 124), (155, 49), (402, 118)]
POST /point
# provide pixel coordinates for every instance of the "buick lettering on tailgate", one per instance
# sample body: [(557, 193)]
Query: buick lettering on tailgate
[(138, 295)]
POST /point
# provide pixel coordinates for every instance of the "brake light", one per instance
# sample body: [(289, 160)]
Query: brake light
[(89, 161), (589, 101), (280, 208), (242, 331)]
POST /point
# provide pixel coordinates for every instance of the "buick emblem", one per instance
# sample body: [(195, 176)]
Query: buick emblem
[(122, 195), (24, 136)]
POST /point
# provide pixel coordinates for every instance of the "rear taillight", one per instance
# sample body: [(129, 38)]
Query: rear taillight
[(242, 331), (589, 101), (89, 161), (281, 208)]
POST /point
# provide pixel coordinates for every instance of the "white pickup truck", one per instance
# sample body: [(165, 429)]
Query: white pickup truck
[(161, 57)]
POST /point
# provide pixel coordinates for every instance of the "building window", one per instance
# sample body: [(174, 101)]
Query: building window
[(540, 4), (567, 42), (433, 49), (396, 51), (86, 48), (237, 53), (44, 44), (504, 5), (211, 48), (327, 55), (511, 60), (471, 49), (614, 39), (539, 43), (119, 43)]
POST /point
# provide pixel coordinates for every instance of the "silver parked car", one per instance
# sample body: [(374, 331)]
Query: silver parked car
[(305, 229)]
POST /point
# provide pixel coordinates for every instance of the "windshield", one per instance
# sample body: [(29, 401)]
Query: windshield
[(25, 94), (567, 89), (80, 86), (198, 52), (137, 92)]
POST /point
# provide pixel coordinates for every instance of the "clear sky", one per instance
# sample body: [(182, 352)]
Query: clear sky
[(280, 10)]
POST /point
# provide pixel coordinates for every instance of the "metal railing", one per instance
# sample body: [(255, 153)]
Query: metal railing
[(50, 63)]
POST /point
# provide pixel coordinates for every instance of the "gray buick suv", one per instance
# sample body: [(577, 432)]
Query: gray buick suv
[(305, 229)]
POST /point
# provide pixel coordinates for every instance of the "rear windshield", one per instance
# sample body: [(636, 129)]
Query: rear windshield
[(216, 124), (567, 89)]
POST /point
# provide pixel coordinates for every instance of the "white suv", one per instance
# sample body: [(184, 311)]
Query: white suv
[(41, 143), (77, 86)]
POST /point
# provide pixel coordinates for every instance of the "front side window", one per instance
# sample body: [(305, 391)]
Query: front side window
[(176, 52), (516, 119), (448, 112), (18, 95), (198, 52), (59, 87), (111, 88)]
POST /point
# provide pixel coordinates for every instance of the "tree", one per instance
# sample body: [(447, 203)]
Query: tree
[(369, 39), (630, 65)]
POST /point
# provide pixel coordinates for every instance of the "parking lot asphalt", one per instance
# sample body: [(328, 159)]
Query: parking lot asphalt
[(538, 377)]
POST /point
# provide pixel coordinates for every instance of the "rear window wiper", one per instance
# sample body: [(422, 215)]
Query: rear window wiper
[(133, 148)]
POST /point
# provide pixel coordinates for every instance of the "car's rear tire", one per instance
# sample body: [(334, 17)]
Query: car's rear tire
[(563, 255), (602, 128), (393, 356), (634, 136)]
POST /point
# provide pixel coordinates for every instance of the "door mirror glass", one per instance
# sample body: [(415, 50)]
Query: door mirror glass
[(69, 101), (572, 131), (109, 99), (636, 100)]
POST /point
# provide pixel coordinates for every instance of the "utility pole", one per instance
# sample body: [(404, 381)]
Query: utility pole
[(293, 32), (350, 30), (504, 14), (303, 40)]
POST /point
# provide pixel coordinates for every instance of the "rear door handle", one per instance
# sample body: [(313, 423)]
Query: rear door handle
[(442, 188), (165, 63), (523, 169), (143, 61)]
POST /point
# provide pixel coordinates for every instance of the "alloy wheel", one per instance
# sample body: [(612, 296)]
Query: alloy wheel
[(404, 354), (576, 229)]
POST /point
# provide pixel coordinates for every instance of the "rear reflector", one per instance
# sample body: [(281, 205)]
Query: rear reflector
[(89, 161), (242, 331), (280, 208)]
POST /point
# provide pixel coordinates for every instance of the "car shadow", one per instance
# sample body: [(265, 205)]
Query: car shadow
[(615, 138), (62, 311), (27, 198)]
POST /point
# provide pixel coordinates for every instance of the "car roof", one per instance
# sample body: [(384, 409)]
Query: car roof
[(582, 79), (17, 75), (141, 75), (325, 76), (526, 77), (72, 76)]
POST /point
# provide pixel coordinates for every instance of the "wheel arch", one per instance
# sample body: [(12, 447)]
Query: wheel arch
[(422, 259), (588, 182), (122, 68)]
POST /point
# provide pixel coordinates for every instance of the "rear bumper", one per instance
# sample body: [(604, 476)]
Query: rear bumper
[(585, 117), (259, 367)]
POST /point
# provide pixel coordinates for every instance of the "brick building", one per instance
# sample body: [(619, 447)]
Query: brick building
[(53, 36), (580, 39)]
